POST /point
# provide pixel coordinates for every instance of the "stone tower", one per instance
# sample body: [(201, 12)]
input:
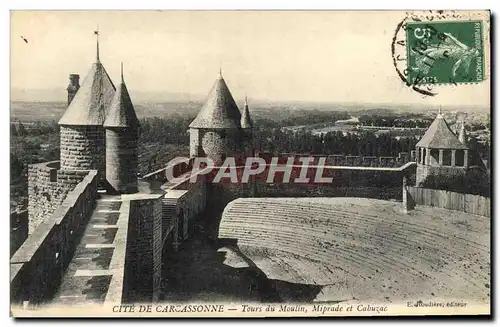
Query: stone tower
[(121, 126), (216, 131), (82, 133), (441, 158), (247, 126), (74, 85)]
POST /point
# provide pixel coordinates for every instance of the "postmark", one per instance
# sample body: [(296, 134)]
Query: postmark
[(435, 49), (445, 52)]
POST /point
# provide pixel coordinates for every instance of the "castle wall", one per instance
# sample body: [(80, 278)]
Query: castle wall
[(144, 247), (472, 180), (436, 176), (47, 189), (121, 160), (83, 148), (248, 142), (352, 161), (220, 194), (37, 266), (181, 204), (19, 224), (346, 183), (118, 290), (194, 201)]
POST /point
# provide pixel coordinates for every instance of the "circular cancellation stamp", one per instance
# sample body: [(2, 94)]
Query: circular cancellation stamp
[(439, 48)]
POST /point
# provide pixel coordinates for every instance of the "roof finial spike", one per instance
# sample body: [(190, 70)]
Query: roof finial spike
[(220, 72), (246, 100), (440, 113), (96, 32), (121, 72)]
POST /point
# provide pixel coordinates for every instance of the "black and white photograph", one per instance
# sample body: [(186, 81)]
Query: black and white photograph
[(250, 163)]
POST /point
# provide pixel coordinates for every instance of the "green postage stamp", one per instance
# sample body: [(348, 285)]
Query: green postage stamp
[(445, 52)]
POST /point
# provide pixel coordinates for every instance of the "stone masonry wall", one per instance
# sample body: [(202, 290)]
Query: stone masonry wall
[(356, 161), (384, 184), (37, 266), (144, 248), (431, 176), (219, 144), (195, 199), (19, 223), (191, 204), (472, 180), (47, 189), (83, 148), (121, 160), (248, 142)]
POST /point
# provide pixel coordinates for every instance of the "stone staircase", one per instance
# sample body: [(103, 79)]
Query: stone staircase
[(87, 278)]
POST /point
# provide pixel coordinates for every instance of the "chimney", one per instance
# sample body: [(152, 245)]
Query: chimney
[(74, 85)]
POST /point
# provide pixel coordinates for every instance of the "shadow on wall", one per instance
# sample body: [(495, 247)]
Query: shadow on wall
[(18, 229), (198, 273)]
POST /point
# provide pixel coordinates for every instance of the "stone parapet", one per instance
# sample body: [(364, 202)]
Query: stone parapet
[(343, 160), (144, 247), (37, 266), (47, 188)]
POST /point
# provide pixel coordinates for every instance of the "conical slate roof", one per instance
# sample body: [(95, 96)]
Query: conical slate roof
[(440, 136), (121, 111), (220, 110), (246, 121), (462, 137), (91, 100)]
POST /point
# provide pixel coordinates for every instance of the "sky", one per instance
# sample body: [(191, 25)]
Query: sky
[(322, 56)]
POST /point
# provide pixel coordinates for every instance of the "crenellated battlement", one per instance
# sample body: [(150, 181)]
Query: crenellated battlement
[(349, 161)]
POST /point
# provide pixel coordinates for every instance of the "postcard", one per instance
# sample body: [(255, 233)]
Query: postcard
[(250, 163)]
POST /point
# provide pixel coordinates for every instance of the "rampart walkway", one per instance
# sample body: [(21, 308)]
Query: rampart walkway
[(87, 278)]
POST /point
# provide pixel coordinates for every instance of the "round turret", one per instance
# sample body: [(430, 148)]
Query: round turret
[(82, 133), (216, 131), (121, 143), (247, 126)]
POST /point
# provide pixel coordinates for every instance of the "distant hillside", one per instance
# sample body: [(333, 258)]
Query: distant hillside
[(33, 111), (53, 110), (169, 101), (59, 94)]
